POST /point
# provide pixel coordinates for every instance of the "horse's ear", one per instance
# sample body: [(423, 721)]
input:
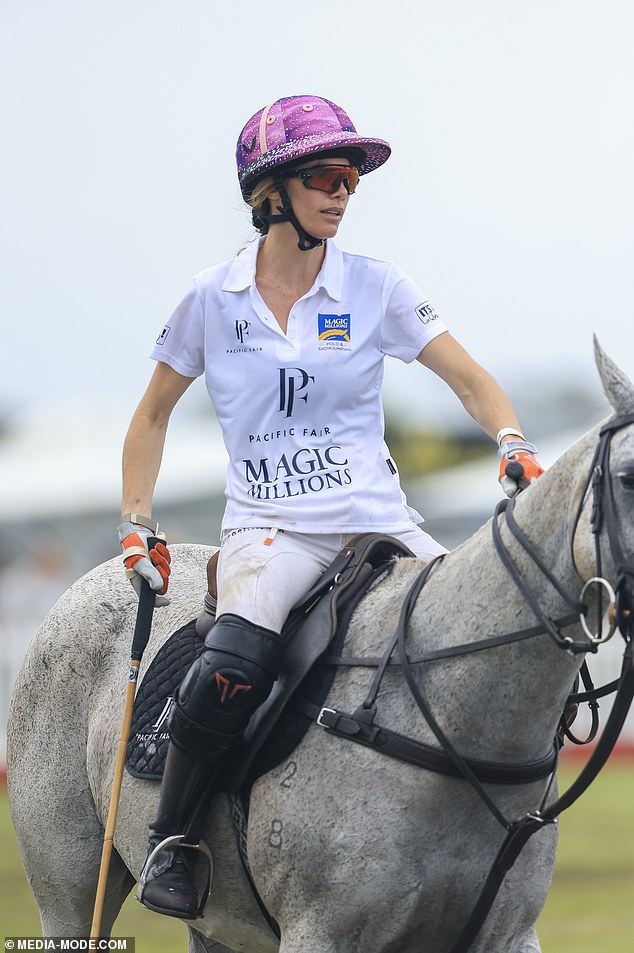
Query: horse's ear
[(617, 386)]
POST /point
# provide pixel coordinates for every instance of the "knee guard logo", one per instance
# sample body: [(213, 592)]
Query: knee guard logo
[(228, 688)]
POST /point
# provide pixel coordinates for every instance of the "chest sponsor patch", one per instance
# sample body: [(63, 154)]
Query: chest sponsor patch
[(426, 313), (333, 330)]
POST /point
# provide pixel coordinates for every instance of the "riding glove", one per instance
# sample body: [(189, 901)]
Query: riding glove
[(141, 562), (518, 466)]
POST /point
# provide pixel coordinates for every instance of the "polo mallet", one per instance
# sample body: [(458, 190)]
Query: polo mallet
[(142, 629)]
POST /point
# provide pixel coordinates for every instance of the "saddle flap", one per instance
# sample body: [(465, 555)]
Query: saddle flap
[(309, 631)]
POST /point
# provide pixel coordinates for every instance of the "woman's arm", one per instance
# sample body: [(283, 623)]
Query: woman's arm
[(484, 399), (480, 394), (143, 447)]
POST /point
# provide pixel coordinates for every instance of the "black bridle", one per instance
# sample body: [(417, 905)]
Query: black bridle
[(604, 515), (360, 725)]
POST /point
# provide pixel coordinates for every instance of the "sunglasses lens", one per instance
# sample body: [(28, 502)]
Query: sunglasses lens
[(353, 180), (329, 178)]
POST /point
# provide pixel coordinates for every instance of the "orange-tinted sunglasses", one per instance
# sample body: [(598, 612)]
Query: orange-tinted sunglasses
[(327, 178)]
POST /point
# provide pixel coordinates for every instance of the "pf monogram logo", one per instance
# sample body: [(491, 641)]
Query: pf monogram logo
[(293, 380), (242, 330)]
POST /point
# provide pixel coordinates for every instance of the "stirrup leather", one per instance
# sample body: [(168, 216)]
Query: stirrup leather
[(178, 840)]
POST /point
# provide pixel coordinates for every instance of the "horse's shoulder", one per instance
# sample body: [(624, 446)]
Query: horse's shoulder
[(375, 614)]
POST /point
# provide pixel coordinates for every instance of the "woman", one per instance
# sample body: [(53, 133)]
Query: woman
[(291, 335)]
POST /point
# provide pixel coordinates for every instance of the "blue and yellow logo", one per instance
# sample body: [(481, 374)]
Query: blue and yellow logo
[(333, 328)]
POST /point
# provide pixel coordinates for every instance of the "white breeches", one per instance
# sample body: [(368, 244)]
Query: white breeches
[(262, 574)]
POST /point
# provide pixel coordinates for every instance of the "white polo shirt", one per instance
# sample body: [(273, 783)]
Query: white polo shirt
[(301, 412)]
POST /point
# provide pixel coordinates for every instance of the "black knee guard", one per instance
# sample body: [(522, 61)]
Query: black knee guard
[(231, 678)]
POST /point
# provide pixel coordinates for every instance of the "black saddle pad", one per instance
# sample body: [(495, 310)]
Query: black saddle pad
[(149, 738), (147, 747)]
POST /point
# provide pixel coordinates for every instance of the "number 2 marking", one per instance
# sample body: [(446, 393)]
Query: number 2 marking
[(291, 771)]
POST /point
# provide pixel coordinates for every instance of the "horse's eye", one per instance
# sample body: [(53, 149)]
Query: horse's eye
[(626, 478)]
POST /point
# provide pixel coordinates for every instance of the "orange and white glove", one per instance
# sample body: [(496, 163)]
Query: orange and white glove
[(143, 562), (518, 466)]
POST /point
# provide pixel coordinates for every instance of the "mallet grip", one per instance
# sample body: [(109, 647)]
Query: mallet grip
[(515, 471), (143, 623)]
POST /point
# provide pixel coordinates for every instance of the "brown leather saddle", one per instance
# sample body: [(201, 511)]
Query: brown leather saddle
[(308, 632)]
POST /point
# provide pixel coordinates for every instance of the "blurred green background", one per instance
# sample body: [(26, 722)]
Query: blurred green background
[(590, 907)]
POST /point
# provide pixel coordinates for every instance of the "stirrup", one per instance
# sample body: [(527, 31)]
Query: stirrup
[(178, 840)]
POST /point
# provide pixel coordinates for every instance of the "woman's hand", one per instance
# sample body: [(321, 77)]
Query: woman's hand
[(518, 466), (143, 561)]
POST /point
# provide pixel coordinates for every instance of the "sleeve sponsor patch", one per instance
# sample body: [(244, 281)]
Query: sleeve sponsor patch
[(162, 338), (426, 313)]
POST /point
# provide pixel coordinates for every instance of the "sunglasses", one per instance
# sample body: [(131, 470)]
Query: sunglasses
[(327, 178)]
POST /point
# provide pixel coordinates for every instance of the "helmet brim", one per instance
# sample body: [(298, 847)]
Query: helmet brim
[(375, 151)]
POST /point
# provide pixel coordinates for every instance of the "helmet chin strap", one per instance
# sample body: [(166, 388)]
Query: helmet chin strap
[(306, 241)]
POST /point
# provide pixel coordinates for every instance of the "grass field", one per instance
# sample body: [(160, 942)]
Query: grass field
[(590, 908)]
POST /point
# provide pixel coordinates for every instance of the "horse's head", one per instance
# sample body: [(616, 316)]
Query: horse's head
[(610, 486)]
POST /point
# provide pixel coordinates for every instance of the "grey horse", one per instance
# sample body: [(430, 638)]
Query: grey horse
[(349, 850)]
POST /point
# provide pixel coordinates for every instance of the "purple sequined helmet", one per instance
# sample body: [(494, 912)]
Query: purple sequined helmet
[(293, 129)]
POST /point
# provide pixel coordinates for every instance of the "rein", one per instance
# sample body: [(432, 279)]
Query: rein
[(360, 726)]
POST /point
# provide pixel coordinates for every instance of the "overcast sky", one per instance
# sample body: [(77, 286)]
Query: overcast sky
[(509, 196)]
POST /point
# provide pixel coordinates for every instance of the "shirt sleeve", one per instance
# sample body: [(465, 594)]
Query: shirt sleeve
[(409, 321), (181, 343)]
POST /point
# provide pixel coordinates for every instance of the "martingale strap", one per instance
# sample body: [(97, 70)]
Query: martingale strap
[(522, 830), (360, 726)]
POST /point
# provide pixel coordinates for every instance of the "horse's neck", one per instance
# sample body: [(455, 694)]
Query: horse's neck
[(547, 515), (508, 698)]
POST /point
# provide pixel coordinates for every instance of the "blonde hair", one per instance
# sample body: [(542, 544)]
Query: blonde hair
[(260, 202)]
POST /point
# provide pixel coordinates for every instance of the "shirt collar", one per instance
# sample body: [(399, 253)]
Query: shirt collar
[(330, 278), (241, 274)]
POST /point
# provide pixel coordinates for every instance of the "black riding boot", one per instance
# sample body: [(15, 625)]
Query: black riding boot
[(213, 705), (167, 880)]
